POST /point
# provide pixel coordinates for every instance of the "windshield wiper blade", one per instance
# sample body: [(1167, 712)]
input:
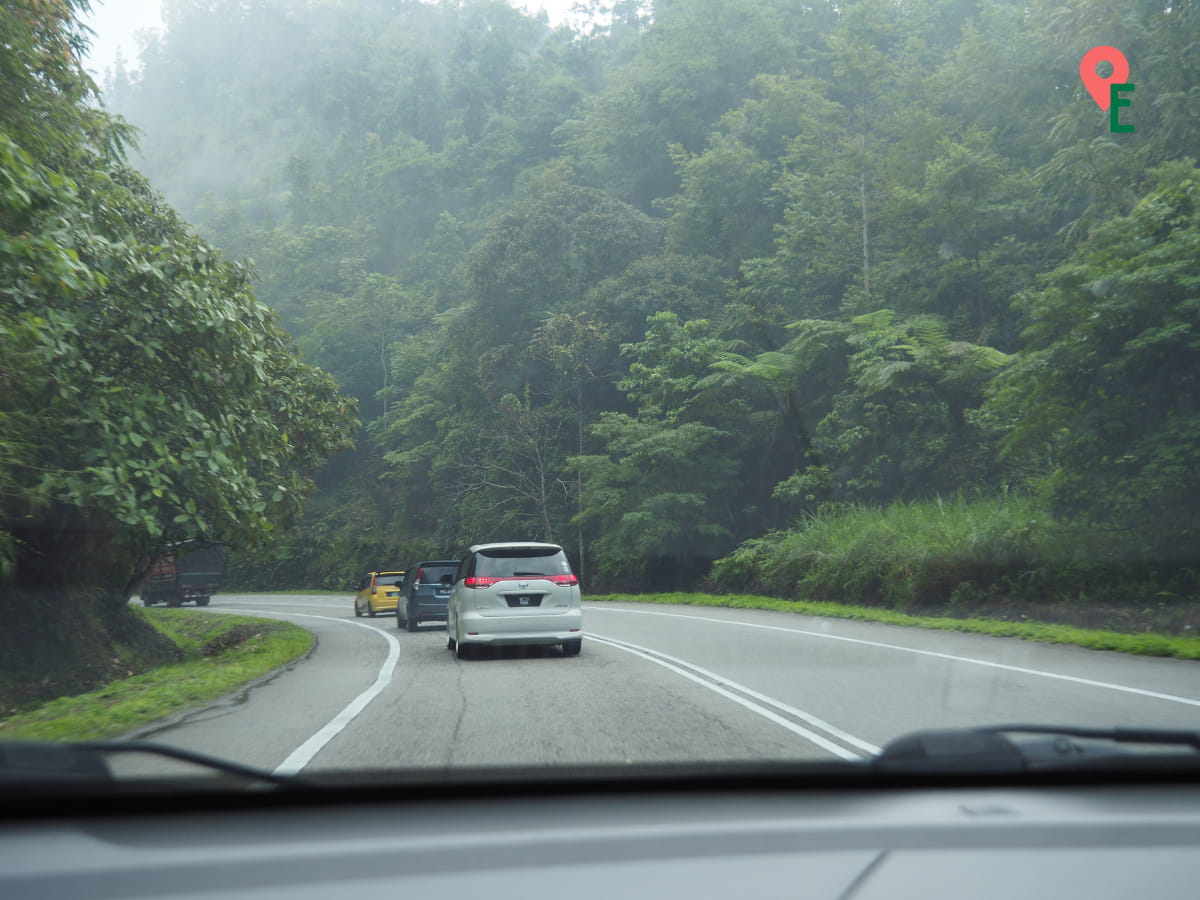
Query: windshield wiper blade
[(49, 761), (85, 761), (204, 760), (1156, 736), (990, 748)]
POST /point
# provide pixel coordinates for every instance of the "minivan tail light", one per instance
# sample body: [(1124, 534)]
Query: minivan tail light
[(483, 581), (420, 575)]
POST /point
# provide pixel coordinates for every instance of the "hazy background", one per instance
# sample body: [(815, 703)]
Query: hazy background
[(118, 23)]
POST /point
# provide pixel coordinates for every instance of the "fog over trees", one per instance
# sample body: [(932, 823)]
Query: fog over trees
[(700, 274)]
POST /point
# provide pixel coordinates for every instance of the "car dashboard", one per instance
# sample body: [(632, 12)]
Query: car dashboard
[(768, 834)]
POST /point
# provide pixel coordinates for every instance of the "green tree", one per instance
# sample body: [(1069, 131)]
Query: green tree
[(974, 237), (695, 62), (660, 492), (158, 401), (1105, 391), (47, 99), (574, 344), (354, 337), (903, 425)]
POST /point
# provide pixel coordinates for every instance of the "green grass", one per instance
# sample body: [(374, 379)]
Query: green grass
[(1093, 639), (221, 653), (927, 551), (1004, 558)]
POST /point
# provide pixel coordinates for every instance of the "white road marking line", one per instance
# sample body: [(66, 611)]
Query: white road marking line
[(1172, 698), (676, 666), (843, 736), (303, 755)]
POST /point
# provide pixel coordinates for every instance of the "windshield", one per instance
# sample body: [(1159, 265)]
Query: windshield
[(830, 369)]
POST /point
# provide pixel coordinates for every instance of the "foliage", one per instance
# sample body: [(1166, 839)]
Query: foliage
[(953, 555), (156, 395), (1108, 373), (148, 398), (653, 494), (46, 96), (663, 282)]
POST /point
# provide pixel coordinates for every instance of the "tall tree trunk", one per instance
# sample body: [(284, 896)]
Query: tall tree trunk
[(862, 196), (579, 479)]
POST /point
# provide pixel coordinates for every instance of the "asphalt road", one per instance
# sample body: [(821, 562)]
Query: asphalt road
[(653, 683)]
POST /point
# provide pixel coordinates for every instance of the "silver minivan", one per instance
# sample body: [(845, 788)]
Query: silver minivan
[(515, 593)]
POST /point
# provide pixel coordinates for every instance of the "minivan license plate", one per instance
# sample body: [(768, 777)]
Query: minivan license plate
[(528, 600)]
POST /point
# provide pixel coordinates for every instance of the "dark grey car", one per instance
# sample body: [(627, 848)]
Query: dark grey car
[(425, 593)]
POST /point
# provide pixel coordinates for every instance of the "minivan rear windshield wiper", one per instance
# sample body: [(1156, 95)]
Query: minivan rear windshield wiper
[(997, 748)]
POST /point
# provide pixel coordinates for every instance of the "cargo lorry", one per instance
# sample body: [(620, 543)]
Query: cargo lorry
[(188, 573)]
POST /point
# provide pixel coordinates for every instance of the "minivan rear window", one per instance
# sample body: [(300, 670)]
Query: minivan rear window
[(509, 562)]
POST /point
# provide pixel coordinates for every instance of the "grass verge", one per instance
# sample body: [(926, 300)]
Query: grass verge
[(221, 653), (970, 557), (1148, 644)]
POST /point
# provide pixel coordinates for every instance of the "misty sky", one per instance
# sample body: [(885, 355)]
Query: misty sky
[(116, 24)]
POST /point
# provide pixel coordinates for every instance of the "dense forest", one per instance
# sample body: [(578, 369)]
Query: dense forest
[(695, 281)]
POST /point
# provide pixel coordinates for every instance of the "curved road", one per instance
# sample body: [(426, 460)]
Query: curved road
[(654, 683)]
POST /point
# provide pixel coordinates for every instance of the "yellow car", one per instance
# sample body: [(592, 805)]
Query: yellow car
[(378, 592)]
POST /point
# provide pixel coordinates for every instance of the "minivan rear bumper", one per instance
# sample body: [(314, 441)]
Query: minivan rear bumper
[(523, 629)]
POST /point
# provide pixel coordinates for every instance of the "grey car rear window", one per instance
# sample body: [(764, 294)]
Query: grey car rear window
[(433, 574)]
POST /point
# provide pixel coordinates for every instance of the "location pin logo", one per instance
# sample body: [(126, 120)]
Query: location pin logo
[(1099, 87)]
